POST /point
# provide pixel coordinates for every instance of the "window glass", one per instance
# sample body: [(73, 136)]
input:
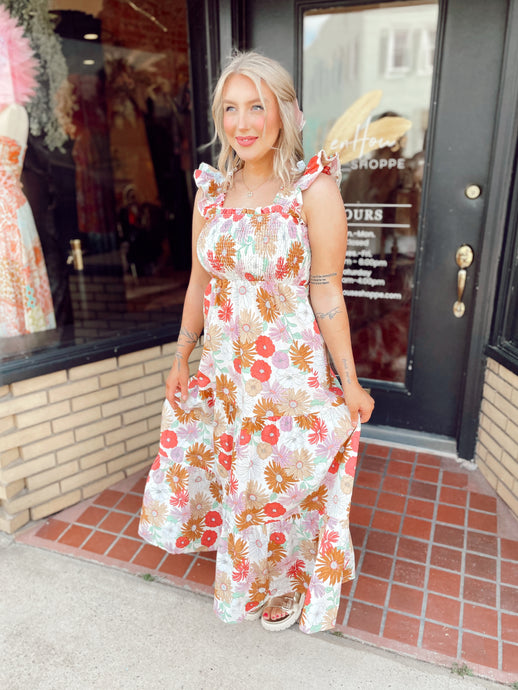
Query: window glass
[(108, 168), (367, 79)]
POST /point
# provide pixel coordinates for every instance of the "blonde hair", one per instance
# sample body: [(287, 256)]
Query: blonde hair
[(288, 150)]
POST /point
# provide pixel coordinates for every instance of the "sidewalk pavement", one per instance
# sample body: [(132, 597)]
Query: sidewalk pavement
[(67, 624)]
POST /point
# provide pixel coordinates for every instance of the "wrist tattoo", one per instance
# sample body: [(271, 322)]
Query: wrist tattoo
[(346, 369), (322, 279), (328, 314)]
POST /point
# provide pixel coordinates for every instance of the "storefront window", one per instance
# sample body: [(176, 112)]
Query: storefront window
[(367, 78), (109, 183)]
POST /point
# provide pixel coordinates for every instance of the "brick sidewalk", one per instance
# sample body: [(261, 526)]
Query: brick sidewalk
[(436, 549)]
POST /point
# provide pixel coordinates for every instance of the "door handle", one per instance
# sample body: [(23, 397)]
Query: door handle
[(464, 259)]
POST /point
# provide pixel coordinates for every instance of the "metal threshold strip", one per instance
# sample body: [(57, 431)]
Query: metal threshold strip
[(409, 438)]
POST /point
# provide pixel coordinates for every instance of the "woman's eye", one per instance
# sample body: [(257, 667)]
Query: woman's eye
[(257, 107), (229, 108)]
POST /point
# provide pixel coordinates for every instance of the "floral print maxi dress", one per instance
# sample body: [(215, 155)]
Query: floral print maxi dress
[(259, 462)]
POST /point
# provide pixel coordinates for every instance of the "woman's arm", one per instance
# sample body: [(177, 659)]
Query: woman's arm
[(192, 317), (327, 228)]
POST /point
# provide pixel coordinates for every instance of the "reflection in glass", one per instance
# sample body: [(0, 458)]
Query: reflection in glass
[(121, 185), (367, 76)]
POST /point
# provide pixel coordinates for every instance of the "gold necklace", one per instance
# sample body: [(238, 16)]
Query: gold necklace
[(250, 192)]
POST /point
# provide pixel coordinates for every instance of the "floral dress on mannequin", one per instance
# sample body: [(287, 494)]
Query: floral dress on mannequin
[(258, 463), (25, 298)]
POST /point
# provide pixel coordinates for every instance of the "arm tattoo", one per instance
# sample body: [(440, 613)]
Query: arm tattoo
[(328, 314), (321, 279), (346, 369), (189, 336)]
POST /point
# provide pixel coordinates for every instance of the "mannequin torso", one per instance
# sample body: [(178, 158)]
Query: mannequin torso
[(14, 123)]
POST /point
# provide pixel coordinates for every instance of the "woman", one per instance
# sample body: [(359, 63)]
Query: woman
[(258, 450)]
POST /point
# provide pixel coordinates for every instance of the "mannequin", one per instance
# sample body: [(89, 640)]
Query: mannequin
[(25, 298)]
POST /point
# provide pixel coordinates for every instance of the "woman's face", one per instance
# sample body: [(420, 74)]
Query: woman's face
[(252, 129)]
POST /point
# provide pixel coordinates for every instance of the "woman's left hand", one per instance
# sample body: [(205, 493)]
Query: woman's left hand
[(359, 402)]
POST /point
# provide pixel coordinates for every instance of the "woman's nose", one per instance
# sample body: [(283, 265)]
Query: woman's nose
[(243, 120)]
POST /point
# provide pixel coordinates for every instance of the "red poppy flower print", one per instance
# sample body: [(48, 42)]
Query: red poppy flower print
[(225, 313), (225, 460), (237, 364), (182, 542), (209, 537), (312, 166), (202, 380), (241, 571), (278, 537), (227, 442), (333, 468), (244, 437), (264, 346), (156, 463), (270, 434), (168, 439), (274, 510), (296, 568), (261, 370), (251, 605), (350, 466), (281, 269), (213, 519)]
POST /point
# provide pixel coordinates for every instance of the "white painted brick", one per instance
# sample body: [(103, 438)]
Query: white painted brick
[(55, 474), (83, 478), (47, 445), (95, 398), (60, 503), (9, 456), (78, 450), (97, 428), (7, 491), (101, 456), (128, 460), (25, 468), (508, 496), (32, 498), (17, 439), (154, 394), (141, 440), (151, 411), (104, 483), (142, 384), (38, 383), (139, 356), (93, 369), (23, 403), (161, 365), (12, 523), (126, 431), (73, 389), (77, 419), (42, 414), (120, 375), (7, 423), (123, 404)]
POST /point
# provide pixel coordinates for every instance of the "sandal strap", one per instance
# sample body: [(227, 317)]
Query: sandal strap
[(285, 602)]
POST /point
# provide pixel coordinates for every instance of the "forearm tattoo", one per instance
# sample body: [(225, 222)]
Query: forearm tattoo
[(328, 314), (321, 279), (346, 369), (189, 336)]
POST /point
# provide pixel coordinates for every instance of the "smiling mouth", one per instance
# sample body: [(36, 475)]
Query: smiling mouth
[(246, 141)]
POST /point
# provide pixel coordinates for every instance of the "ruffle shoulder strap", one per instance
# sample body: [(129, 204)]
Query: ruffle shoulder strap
[(320, 163), (210, 182)]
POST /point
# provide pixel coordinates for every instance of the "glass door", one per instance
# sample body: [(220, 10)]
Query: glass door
[(367, 84)]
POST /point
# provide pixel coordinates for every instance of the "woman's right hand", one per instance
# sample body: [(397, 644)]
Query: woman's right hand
[(177, 380)]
